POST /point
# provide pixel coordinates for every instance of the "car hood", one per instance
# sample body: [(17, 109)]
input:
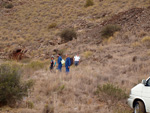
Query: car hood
[(137, 90)]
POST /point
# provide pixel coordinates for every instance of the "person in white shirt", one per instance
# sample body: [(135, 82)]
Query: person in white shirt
[(76, 60)]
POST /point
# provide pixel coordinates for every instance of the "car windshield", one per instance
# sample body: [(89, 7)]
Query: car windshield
[(148, 82)]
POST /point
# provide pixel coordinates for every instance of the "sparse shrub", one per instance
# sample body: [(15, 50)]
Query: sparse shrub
[(87, 54), (30, 83), (9, 5), (142, 34), (109, 91), (48, 109), (120, 109), (109, 30), (11, 87), (68, 35), (52, 25), (89, 3), (35, 65), (55, 87), (26, 60), (30, 104), (136, 44), (146, 41), (108, 40), (61, 88)]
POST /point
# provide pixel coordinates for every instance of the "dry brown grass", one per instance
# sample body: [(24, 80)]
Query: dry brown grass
[(87, 54), (146, 41), (74, 92)]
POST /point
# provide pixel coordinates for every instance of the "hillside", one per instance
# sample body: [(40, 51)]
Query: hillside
[(121, 60), (27, 22)]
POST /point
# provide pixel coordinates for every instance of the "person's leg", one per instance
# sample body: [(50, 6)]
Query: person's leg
[(67, 70), (52, 69), (59, 68), (76, 63)]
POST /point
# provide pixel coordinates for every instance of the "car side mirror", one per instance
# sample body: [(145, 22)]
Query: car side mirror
[(144, 82)]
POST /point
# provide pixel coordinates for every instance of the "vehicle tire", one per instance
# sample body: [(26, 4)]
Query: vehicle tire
[(139, 107)]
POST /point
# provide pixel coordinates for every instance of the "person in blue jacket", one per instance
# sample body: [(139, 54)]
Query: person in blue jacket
[(59, 62), (67, 63)]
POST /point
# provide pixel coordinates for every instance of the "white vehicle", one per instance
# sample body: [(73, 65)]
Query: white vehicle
[(139, 98)]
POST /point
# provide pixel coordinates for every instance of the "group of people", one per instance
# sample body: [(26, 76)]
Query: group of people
[(60, 62)]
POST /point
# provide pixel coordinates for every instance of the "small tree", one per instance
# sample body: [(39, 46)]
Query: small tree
[(89, 3), (11, 87), (68, 35), (109, 30)]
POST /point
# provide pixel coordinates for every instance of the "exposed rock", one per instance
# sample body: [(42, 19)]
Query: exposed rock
[(18, 54)]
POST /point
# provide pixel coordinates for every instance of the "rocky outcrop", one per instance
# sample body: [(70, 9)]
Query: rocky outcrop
[(18, 54), (136, 18)]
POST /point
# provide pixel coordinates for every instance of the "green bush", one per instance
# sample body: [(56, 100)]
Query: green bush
[(109, 30), (89, 3), (52, 25), (11, 87), (30, 104), (109, 91), (9, 5), (68, 35)]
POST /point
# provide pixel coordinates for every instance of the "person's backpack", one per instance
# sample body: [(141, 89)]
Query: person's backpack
[(62, 61), (71, 60)]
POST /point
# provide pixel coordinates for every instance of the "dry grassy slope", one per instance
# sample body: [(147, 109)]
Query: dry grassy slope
[(26, 25), (76, 97), (122, 60)]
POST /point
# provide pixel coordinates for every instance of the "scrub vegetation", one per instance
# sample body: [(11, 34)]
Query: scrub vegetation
[(68, 35), (89, 3), (146, 41), (110, 36), (36, 65), (87, 54), (11, 87), (52, 25), (111, 92), (109, 30)]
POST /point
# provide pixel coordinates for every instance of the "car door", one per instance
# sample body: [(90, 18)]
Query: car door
[(146, 95)]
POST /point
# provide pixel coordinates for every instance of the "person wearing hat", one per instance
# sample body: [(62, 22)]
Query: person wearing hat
[(52, 63)]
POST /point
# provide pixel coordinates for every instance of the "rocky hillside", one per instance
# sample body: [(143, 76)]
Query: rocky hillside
[(27, 25), (30, 30)]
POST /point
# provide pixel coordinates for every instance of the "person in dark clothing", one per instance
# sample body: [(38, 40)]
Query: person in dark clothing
[(59, 62), (52, 64), (71, 58), (67, 63)]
